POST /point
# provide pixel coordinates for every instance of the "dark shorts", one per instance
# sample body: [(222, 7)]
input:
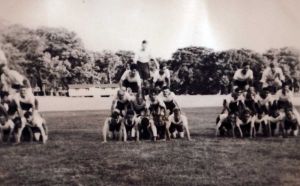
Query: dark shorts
[(174, 127), (246, 127), (226, 124), (16, 86), (290, 125), (159, 84), (114, 126), (129, 127), (121, 106), (242, 84), (132, 85), (144, 70), (284, 104), (25, 106), (170, 105)]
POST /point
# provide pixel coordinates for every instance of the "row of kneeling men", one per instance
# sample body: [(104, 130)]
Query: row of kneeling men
[(251, 113), (154, 117)]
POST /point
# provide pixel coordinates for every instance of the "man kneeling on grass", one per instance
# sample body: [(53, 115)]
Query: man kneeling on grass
[(177, 123), (290, 123), (112, 127)]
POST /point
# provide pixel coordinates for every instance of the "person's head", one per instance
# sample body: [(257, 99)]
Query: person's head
[(289, 113), (115, 114), (152, 95), (285, 88), (264, 93), (176, 112), (139, 98), (162, 68), (251, 90), (246, 67), (166, 90), (23, 91), (121, 94), (130, 114), (144, 45), (246, 114), (133, 70)]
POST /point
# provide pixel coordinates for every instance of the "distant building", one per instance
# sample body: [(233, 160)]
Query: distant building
[(90, 90)]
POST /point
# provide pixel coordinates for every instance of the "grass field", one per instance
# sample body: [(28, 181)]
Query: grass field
[(74, 155)]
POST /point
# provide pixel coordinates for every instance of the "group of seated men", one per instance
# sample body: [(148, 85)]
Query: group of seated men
[(145, 108), (18, 107), (268, 111)]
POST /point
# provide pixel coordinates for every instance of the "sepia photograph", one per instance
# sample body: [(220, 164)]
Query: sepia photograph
[(149, 92)]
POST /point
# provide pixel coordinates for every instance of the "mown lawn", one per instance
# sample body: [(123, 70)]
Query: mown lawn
[(75, 155)]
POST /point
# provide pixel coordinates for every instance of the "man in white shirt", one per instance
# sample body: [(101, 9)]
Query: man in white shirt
[(162, 77), (272, 77), (177, 123), (131, 79), (169, 98), (243, 77), (142, 59)]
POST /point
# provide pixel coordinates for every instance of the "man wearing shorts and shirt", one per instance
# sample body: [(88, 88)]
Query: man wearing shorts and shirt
[(272, 77), (131, 79), (177, 123), (243, 77), (142, 60), (162, 77)]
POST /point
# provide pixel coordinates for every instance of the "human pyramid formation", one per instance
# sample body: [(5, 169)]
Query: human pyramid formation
[(19, 116), (269, 111), (144, 107)]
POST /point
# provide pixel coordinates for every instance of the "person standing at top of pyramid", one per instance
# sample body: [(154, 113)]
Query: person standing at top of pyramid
[(142, 59)]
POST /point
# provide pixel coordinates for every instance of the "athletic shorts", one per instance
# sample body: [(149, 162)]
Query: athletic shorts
[(170, 105), (226, 124), (144, 70), (246, 127), (114, 126), (159, 84), (132, 85), (175, 127), (145, 123), (129, 127), (290, 125), (121, 106)]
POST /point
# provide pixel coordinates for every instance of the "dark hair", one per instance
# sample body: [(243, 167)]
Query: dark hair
[(246, 63), (133, 66), (144, 41), (272, 65), (162, 65), (115, 114)]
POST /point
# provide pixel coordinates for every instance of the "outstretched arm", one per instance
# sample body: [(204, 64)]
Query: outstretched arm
[(105, 130), (186, 126)]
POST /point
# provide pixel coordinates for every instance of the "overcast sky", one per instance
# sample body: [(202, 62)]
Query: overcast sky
[(166, 24)]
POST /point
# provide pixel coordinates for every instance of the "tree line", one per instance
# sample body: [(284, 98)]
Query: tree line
[(53, 58)]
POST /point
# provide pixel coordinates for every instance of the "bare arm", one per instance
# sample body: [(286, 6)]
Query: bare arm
[(105, 130), (186, 126)]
